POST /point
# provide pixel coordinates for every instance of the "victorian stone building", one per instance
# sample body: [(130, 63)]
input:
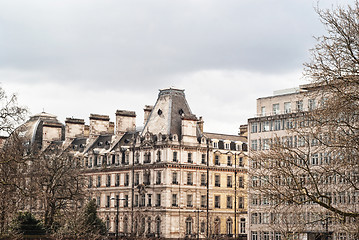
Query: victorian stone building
[(169, 179)]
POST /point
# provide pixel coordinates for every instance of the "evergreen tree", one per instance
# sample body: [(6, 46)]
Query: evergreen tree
[(26, 224)]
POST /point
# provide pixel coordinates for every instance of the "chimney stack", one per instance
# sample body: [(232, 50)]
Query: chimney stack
[(74, 128), (200, 124), (125, 121), (147, 111), (99, 124)]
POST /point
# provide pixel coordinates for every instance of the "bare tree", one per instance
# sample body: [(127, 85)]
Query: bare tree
[(11, 161), (57, 182), (11, 114), (316, 176), (11, 172)]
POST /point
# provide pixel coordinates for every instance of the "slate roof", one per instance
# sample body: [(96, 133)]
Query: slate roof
[(166, 117)]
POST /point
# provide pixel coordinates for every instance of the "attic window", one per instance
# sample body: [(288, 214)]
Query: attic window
[(100, 143), (181, 112), (159, 112), (107, 142)]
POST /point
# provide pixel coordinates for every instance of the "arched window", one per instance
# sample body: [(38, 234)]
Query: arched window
[(149, 225), (203, 227), (135, 227), (158, 226), (217, 224), (125, 225), (142, 226), (229, 226), (108, 222), (189, 226)]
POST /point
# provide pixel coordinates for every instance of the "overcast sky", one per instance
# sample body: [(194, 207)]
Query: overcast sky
[(72, 58)]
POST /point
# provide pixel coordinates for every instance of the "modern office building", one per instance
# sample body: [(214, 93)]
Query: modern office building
[(280, 120)]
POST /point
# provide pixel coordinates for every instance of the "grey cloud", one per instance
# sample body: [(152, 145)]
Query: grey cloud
[(147, 42)]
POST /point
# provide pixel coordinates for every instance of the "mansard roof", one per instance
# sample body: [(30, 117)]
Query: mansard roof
[(166, 117)]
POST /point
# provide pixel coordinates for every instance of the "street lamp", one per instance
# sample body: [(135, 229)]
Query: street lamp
[(117, 211)]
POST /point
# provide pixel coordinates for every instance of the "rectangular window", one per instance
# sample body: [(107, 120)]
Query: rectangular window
[(263, 111), (203, 159), (175, 157), (98, 181), (254, 236), (311, 104), (215, 144), (277, 125), (287, 107), (158, 177), (240, 162), (174, 200), (143, 200), (137, 179), (216, 160), (254, 127), (174, 178), (189, 178), (240, 182), (98, 200), (189, 158), (229, 181), (135, 204), (147, 178), (107, 201), (229, 202), (217, 201), (108, 183), (126, 201), (276, 108), (158, 200), (266, 144), (117, 200), (299, 105), (254, 145), (229, 161), (158, 159), (189, 200), (203, 179), (265, 126), (315, 159), (217, 181), (265, 235), (127, 179), (117, 180), (240, 202), (227, 146), (90, 182), (203, 201), (149, 201), (243, 225)]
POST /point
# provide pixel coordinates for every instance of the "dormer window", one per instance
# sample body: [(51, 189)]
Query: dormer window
[(215, 144), (227, 145)]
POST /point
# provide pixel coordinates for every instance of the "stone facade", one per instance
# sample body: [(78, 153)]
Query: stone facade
[(170, 180)]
